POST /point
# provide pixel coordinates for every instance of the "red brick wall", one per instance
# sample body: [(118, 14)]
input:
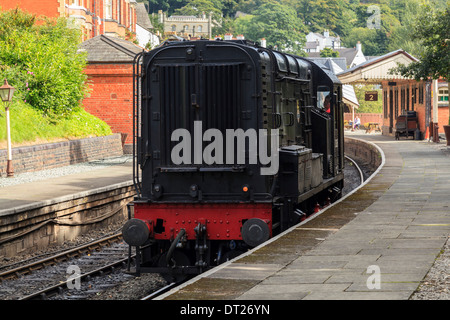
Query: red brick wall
[(418, 107), (47, 8), (443, 112), (111, 98), (443, 118)]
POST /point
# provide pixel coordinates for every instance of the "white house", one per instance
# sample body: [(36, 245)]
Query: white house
[(144, 34), (354, 56), (315, 42)]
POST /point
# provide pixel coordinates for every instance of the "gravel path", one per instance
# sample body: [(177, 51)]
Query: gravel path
[(63, 171), (436, 285)]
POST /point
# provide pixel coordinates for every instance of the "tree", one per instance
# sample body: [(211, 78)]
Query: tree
[(368, 106), (279, 25), (335, 15), (168, 6), (197, 7), (242, 24), (42, 61), (328, 52), (433, 31), (368, 39)]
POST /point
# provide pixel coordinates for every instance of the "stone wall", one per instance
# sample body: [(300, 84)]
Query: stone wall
[(362, 152), (58, 154), (55, 221)]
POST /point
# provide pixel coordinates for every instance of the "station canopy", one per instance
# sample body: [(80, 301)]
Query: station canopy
[(377, 69), (349, 96)]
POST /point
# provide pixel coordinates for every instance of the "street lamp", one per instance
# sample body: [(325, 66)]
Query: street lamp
[(6, 93)]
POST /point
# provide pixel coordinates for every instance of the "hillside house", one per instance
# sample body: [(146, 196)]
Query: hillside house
[(316, 42), (144, 35), (187, 26)]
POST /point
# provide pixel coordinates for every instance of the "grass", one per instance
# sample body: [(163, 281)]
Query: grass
[(30, 126)]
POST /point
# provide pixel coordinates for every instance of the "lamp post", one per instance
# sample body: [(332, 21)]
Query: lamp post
[(6, 93)]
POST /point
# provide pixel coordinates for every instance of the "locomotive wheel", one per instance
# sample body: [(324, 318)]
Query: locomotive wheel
[(179, 258)]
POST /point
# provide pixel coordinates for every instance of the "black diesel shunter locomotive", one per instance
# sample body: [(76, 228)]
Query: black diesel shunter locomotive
[(201, 197)]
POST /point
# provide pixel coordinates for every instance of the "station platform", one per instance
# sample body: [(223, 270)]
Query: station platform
[(59, 187), (43, 208), (377, 243)]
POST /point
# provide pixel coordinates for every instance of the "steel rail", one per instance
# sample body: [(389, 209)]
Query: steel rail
[(361, 175), (59, 288), (161, 291), (62, 256)]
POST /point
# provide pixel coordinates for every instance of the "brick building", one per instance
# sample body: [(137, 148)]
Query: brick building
[(110, 76), (94, 17)]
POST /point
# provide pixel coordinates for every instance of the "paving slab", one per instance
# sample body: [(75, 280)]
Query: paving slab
[(27, 195)]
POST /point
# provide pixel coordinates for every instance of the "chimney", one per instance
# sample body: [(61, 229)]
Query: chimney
[(358, 46), (228, 36), (263, 42), (240, 37), (326, 33)]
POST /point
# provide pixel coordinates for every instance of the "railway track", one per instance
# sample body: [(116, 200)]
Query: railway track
[(161, 291), (102, 264), (26, 268), (356, 166), (49, 276)]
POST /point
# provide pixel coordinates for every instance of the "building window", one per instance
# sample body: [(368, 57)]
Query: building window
[(407, 99), (421, 94), (443, 94), (199, 29), (108, 9), (396, 104), (174, 28), (119, 17), (131, 19), (402, 100)]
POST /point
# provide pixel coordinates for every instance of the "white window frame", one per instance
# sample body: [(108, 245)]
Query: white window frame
[(108, 9), (442, 92)]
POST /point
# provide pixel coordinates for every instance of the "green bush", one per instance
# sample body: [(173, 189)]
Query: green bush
[(42, 63)]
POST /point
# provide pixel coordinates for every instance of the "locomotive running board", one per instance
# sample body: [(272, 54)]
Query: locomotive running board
[(326, 183)]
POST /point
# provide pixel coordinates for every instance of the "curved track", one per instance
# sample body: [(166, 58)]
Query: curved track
[(361, 175)]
